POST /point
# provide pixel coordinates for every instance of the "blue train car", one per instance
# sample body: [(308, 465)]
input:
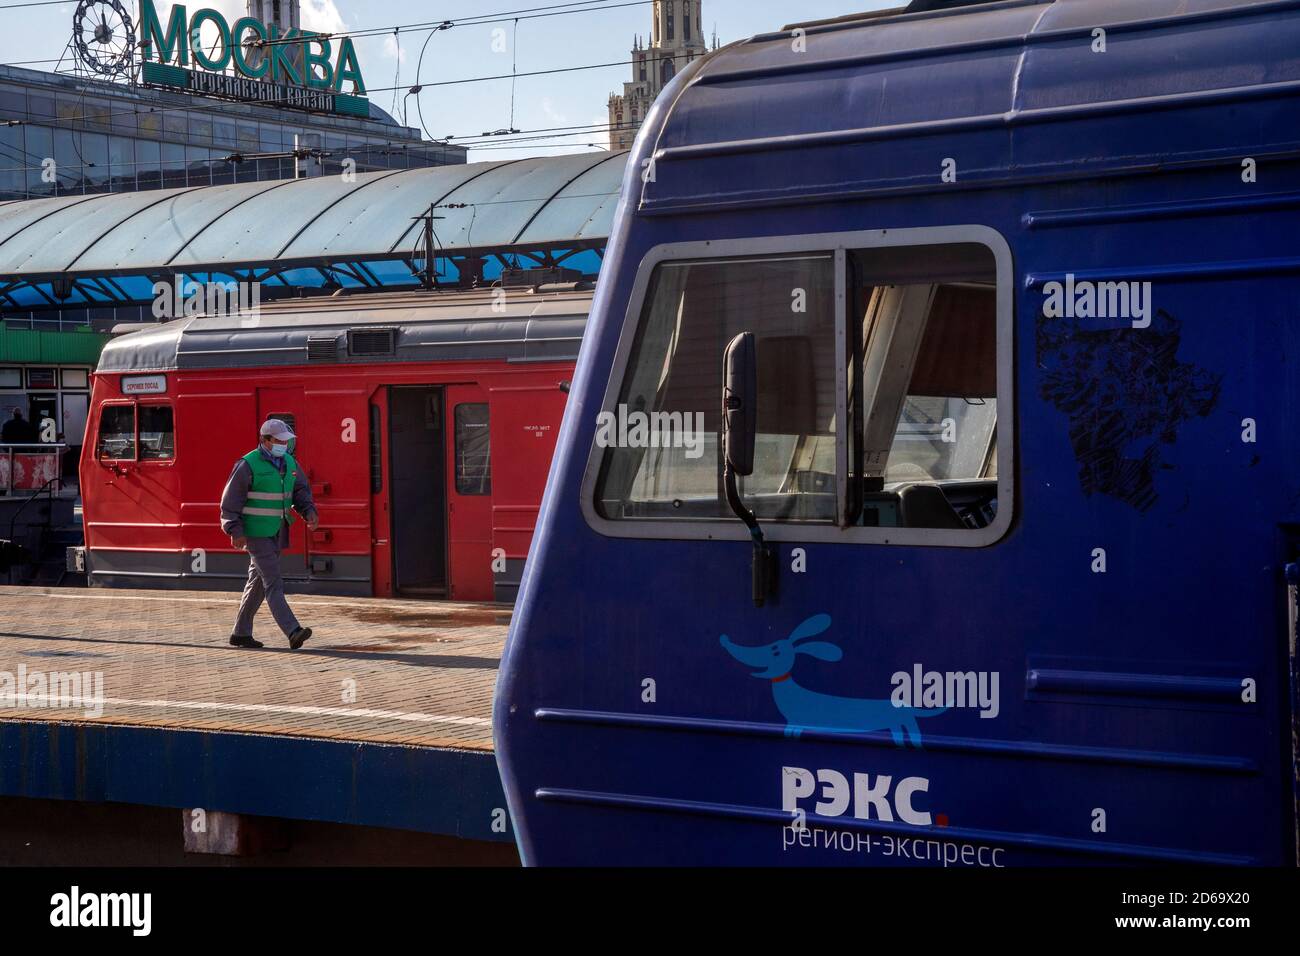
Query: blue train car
[(929, 474)]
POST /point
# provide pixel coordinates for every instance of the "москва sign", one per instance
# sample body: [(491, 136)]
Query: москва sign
[(276, 78)]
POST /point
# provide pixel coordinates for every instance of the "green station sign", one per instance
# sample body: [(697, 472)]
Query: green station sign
[(297, 69)]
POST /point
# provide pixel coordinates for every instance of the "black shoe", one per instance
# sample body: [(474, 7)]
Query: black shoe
[(299, 637), (237, 640)]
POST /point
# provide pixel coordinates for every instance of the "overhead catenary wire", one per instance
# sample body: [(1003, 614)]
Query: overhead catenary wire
[(435, 27), (479, 19), (397, 74), (556, 70), (500, 140), (582, 6)]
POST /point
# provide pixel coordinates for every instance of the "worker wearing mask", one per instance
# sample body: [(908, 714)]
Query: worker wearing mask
[(265, 488)]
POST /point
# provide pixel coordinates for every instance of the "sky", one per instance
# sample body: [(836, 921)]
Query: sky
[(30, 33)]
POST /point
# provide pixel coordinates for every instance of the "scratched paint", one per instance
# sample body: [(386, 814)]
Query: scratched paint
[(1125, 394)]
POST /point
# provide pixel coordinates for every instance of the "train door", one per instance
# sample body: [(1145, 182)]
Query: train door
[(381, 535), (469, 494), (287, 404), (525, 420), (131, 481), (417, 490)]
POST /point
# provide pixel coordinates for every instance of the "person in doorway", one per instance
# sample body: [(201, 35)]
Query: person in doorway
[(18, 430), (265, 488)]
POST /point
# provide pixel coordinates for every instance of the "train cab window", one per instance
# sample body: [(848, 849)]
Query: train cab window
[(157, 434), (473, 450), (131, 433), (877, 409), (661, 458), (116, 433), (923, 387)]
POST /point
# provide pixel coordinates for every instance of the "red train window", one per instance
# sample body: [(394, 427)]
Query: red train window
[(116, 433), (128, 433), (157, 433), (473, 450)]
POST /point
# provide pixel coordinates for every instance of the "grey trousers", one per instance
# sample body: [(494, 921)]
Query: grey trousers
[(264, 583)]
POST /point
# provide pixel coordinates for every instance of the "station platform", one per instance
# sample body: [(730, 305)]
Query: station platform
[(382, 719)]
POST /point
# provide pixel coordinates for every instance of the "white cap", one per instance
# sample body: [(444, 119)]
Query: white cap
[(276, 429)]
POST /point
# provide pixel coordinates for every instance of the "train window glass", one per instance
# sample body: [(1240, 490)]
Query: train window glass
[(473, 450), (661, 441), (157, 434), (923, 387), (116, 433), (881, 371)]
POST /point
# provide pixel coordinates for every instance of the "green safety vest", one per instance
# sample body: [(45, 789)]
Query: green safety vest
[(270, 500)]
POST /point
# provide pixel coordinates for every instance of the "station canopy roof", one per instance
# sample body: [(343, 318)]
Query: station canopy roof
[(259, 230)]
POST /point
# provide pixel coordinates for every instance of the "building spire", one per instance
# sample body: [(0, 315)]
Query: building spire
[(676, 38)]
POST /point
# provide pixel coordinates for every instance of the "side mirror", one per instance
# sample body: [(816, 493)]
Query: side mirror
[(739, 427), (740, 403)]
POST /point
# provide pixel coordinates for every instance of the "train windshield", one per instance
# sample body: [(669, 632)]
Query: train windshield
[(664, 458), (909, 393)]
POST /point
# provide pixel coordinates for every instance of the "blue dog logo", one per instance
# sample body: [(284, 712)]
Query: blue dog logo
[(804, 709)]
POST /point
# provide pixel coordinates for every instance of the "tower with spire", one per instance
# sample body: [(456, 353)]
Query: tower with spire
[(676, 38), (286, 15)]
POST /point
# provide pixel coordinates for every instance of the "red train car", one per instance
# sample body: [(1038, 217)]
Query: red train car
[(425, 420)]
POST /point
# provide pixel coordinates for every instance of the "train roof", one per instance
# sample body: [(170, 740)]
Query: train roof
[(1009, 91), (512, 325)]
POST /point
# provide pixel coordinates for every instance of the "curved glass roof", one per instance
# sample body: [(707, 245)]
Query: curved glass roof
[(519, 203)]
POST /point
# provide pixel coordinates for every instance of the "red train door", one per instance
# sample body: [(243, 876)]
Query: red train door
[(469, 494), (526, 422), (417, 464), (131, 479), (286, 403), (381, 548)]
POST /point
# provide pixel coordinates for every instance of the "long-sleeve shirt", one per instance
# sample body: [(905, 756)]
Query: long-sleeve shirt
[(236, 495)]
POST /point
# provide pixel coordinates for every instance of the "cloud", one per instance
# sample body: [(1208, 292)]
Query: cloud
[(550, 112), (231, 10), (322, 16), (392, 49)]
